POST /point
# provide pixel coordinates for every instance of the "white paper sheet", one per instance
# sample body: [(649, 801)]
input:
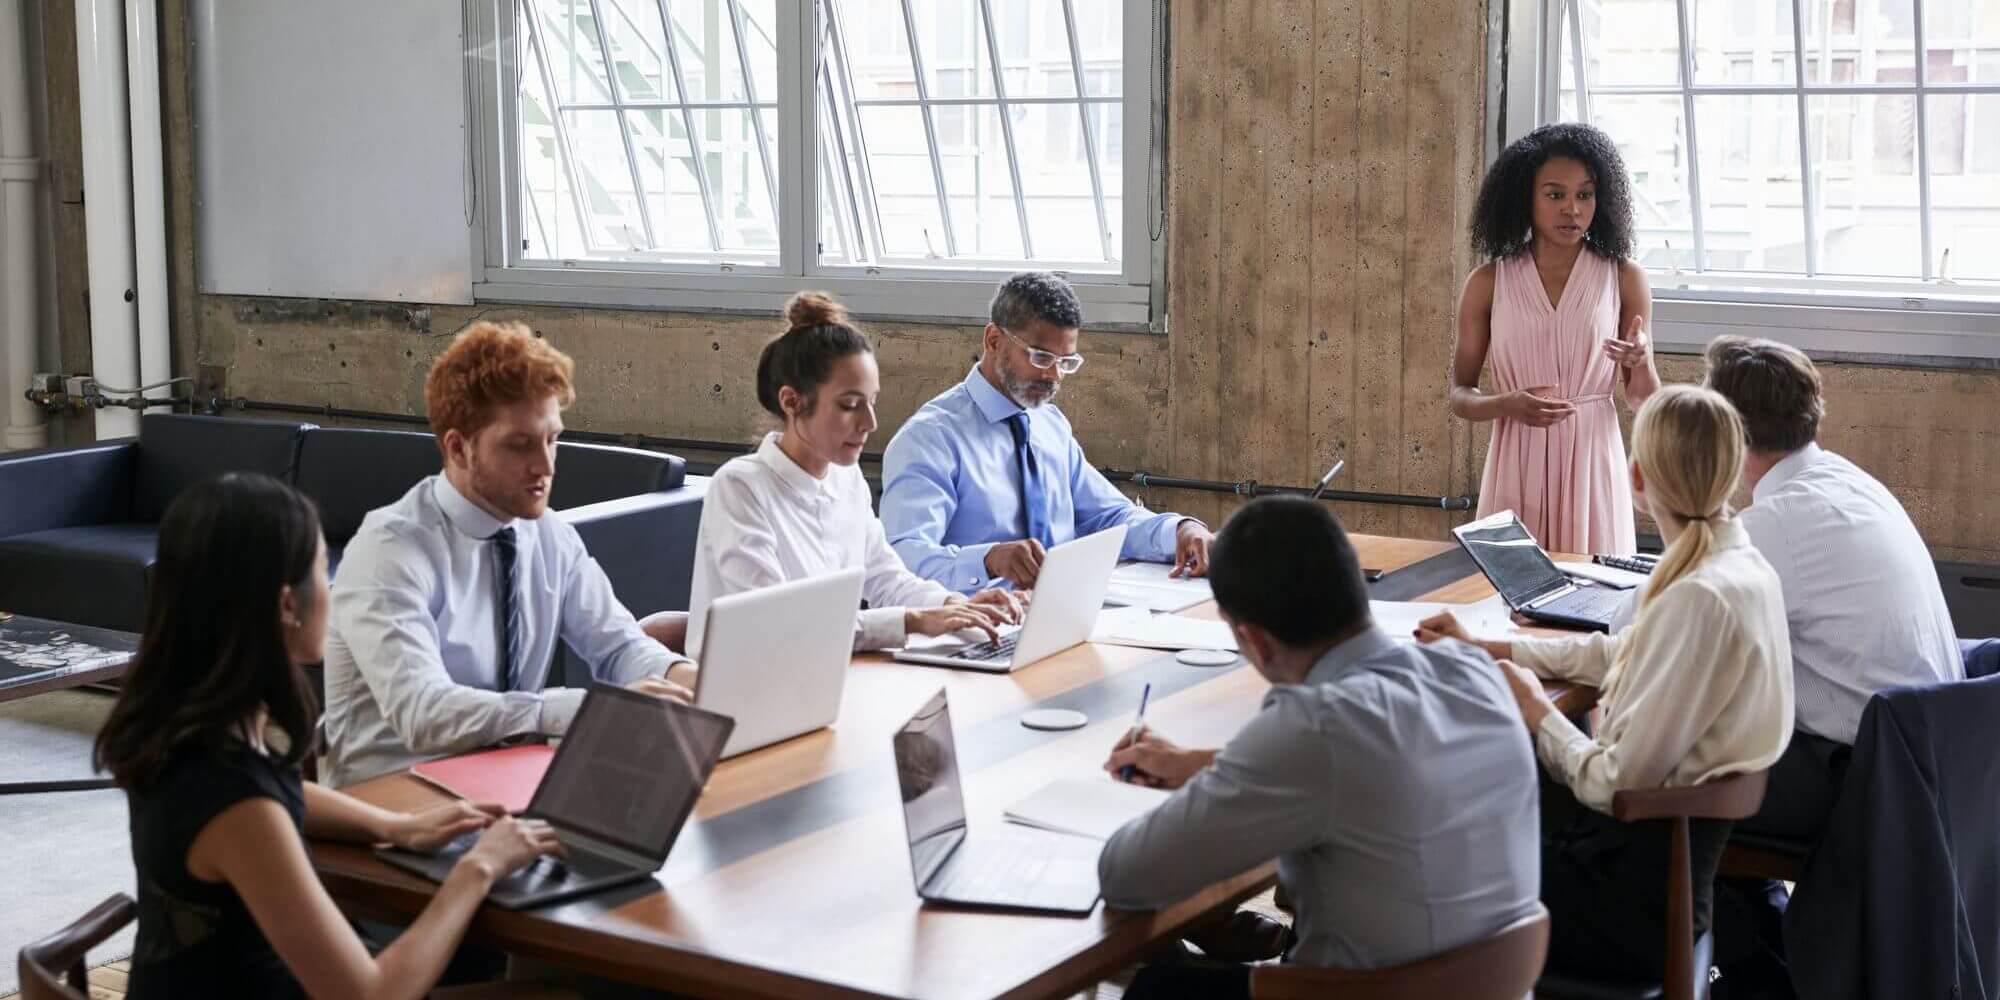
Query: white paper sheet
[(1148, 585), (1488, 619), (1140, 627), (1091, 807)]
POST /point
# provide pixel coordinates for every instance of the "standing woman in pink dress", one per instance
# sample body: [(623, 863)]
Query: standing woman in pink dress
[(1561, 312)]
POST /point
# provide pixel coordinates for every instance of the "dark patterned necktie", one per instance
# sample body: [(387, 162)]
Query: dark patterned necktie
[(508, 606)]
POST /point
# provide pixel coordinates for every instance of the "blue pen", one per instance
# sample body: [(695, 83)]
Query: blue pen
[(1125, 773)]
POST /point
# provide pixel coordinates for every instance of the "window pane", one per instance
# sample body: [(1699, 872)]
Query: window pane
[(905, 189), (606, 178), (638, 51), (878, 49), (1965, 206), (880, 175), (737, 182), (1846, 40), (569, 40), (1055, 177), (707, 51), (549, 226), (1630, 42), (952, 38), (976, 176), (1867, 197), (673, 193), (1742, 41), (1651, 134), (760, 40), (1752, 215)]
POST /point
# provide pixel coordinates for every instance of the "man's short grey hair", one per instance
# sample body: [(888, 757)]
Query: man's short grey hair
[(1036, 295)]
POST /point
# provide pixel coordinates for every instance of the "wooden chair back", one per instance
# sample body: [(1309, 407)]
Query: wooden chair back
[(1737, 796), (53, 968), (1501, 967)]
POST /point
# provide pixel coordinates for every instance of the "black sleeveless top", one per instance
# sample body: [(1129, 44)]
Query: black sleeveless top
[(196, 938)]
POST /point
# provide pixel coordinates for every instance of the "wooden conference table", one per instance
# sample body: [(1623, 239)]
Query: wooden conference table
[(793, 877)]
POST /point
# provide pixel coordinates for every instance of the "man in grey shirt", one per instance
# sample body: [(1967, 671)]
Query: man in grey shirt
[(1389, 780)]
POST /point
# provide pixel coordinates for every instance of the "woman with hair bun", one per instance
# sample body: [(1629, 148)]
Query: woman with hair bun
[(798, 506), (1560, 312)]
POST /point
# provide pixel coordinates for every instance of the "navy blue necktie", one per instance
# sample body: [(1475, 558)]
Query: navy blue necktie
[(508, 607), (1034, 496)]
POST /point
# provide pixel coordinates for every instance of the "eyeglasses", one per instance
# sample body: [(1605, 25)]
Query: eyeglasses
[(1065, 363)]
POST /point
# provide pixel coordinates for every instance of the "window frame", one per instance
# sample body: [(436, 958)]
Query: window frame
[(1130, 298), (1916, 321)]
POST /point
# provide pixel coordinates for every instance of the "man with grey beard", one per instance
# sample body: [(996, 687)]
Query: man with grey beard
[(986, 477)]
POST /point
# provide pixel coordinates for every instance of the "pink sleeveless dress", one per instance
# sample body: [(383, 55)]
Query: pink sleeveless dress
[(1567, 482)]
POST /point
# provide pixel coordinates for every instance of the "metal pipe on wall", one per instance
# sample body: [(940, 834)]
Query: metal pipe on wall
[(20, 170), (149, 195), (107, 206), (215, 404)]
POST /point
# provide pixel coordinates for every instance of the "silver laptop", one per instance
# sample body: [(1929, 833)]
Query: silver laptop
[(617, 792), (1004, 865), (775, 659), (1068, 595)]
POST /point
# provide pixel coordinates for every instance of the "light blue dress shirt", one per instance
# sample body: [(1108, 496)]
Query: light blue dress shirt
[(413, 638), (1396, 790), (951, 488)]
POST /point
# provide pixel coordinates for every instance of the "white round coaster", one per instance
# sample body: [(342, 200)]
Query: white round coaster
[(1206, 657), (1054, 719)]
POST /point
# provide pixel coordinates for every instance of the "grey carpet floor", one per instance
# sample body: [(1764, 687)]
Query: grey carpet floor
[(67, 851)]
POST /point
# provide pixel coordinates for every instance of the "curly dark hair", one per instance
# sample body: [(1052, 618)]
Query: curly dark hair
[(1036, 295), (1503, 219)]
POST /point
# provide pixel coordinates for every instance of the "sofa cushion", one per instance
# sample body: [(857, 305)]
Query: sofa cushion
[(93, 575), (178, 450), (593, 473), (349, 472)]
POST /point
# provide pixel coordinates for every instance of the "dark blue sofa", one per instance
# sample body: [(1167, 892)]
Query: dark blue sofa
[(77, 525)]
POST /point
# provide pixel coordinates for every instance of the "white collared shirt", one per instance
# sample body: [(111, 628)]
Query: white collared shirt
[(1861, 593), (766, 521), (1705, 690), (412, 650)]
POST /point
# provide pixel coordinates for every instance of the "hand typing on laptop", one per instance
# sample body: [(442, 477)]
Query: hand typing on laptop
[(509, 845), (437, 826)]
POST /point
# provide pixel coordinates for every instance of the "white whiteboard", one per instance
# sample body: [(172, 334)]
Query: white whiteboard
[(331, 149)]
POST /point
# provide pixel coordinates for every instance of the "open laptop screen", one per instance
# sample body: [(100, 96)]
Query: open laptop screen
[(630, 769), (1512, 561), (927, 773)]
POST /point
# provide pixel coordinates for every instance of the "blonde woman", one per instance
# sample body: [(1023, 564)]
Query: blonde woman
[(1698, 686)]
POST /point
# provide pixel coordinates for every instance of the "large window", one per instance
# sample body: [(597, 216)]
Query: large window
[(1848, 149), (903, 151)]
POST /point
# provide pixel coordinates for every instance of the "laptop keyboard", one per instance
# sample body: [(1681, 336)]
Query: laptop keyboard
[(989, 652), (1591, 602), (1007, 869), (579, 864)]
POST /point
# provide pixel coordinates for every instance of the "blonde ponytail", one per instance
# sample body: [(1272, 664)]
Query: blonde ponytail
[(1688, 444)]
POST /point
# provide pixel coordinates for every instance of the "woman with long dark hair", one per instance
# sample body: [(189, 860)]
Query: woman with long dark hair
[(206, 740), (1561, 312)]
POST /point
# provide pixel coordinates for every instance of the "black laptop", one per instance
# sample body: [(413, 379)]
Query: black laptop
[(1529, 580), (1005, 866), (618, 791)]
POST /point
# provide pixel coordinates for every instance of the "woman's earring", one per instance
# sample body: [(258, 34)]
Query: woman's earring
[(292, 623)]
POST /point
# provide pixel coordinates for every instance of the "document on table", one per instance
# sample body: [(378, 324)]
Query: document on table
[(1090, 807), (1148, 585), (1488, 619), (1139, 627)]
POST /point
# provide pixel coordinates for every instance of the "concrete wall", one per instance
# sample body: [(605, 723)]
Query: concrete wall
[(1322, 159)]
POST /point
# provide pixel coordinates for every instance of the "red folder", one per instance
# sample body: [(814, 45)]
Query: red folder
[(507, 776)]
